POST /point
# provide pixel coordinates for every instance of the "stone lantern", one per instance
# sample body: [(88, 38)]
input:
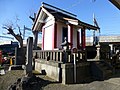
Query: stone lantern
[(66, 48), (66, 44)]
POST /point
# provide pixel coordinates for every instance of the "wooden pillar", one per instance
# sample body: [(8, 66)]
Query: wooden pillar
[(83, 41), (35, 33), (54, 36), (78, 39), (43, 34), (70, 34)]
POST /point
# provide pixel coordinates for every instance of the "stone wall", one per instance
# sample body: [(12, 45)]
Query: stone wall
[(82, 72), (64, 72), (52, 69)]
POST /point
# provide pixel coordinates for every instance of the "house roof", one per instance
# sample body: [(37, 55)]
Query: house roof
[(116, 3), (61, 15)]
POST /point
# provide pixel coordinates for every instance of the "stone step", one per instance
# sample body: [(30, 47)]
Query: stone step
[(15, 67), (103, 66), (107, 71)]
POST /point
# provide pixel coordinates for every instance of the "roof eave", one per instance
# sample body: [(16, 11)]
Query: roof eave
[(116, 3), (88, 26), (36, 19), (36, 22)]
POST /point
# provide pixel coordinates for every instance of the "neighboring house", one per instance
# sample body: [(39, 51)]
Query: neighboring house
[(9, 49), (56, 24), (109, 43)]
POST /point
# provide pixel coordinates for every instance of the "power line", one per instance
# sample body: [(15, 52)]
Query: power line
[(6, 37)]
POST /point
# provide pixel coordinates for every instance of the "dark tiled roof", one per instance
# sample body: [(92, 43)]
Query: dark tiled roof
[(116, 3), (88, 26), (59, 15)]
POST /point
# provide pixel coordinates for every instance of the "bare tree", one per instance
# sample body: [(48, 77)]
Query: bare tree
[(10, 29), (35, 33)]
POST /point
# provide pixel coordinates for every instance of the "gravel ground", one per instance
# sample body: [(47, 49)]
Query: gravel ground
[(9, 78), (49, 84)]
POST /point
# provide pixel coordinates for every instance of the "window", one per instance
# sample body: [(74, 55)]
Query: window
[(64, 33)]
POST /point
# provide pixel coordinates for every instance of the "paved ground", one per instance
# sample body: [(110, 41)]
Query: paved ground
[(110, 84), (49, 84)]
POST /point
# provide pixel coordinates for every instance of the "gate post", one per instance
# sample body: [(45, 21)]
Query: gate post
[(74, 51)]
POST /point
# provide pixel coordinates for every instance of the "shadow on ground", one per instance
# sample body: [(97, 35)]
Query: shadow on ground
[(30, 83)]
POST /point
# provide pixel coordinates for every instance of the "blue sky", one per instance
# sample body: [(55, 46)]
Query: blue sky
[(107, 15)]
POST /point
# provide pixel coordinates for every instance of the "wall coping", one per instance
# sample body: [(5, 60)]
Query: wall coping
[(60, 64)]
